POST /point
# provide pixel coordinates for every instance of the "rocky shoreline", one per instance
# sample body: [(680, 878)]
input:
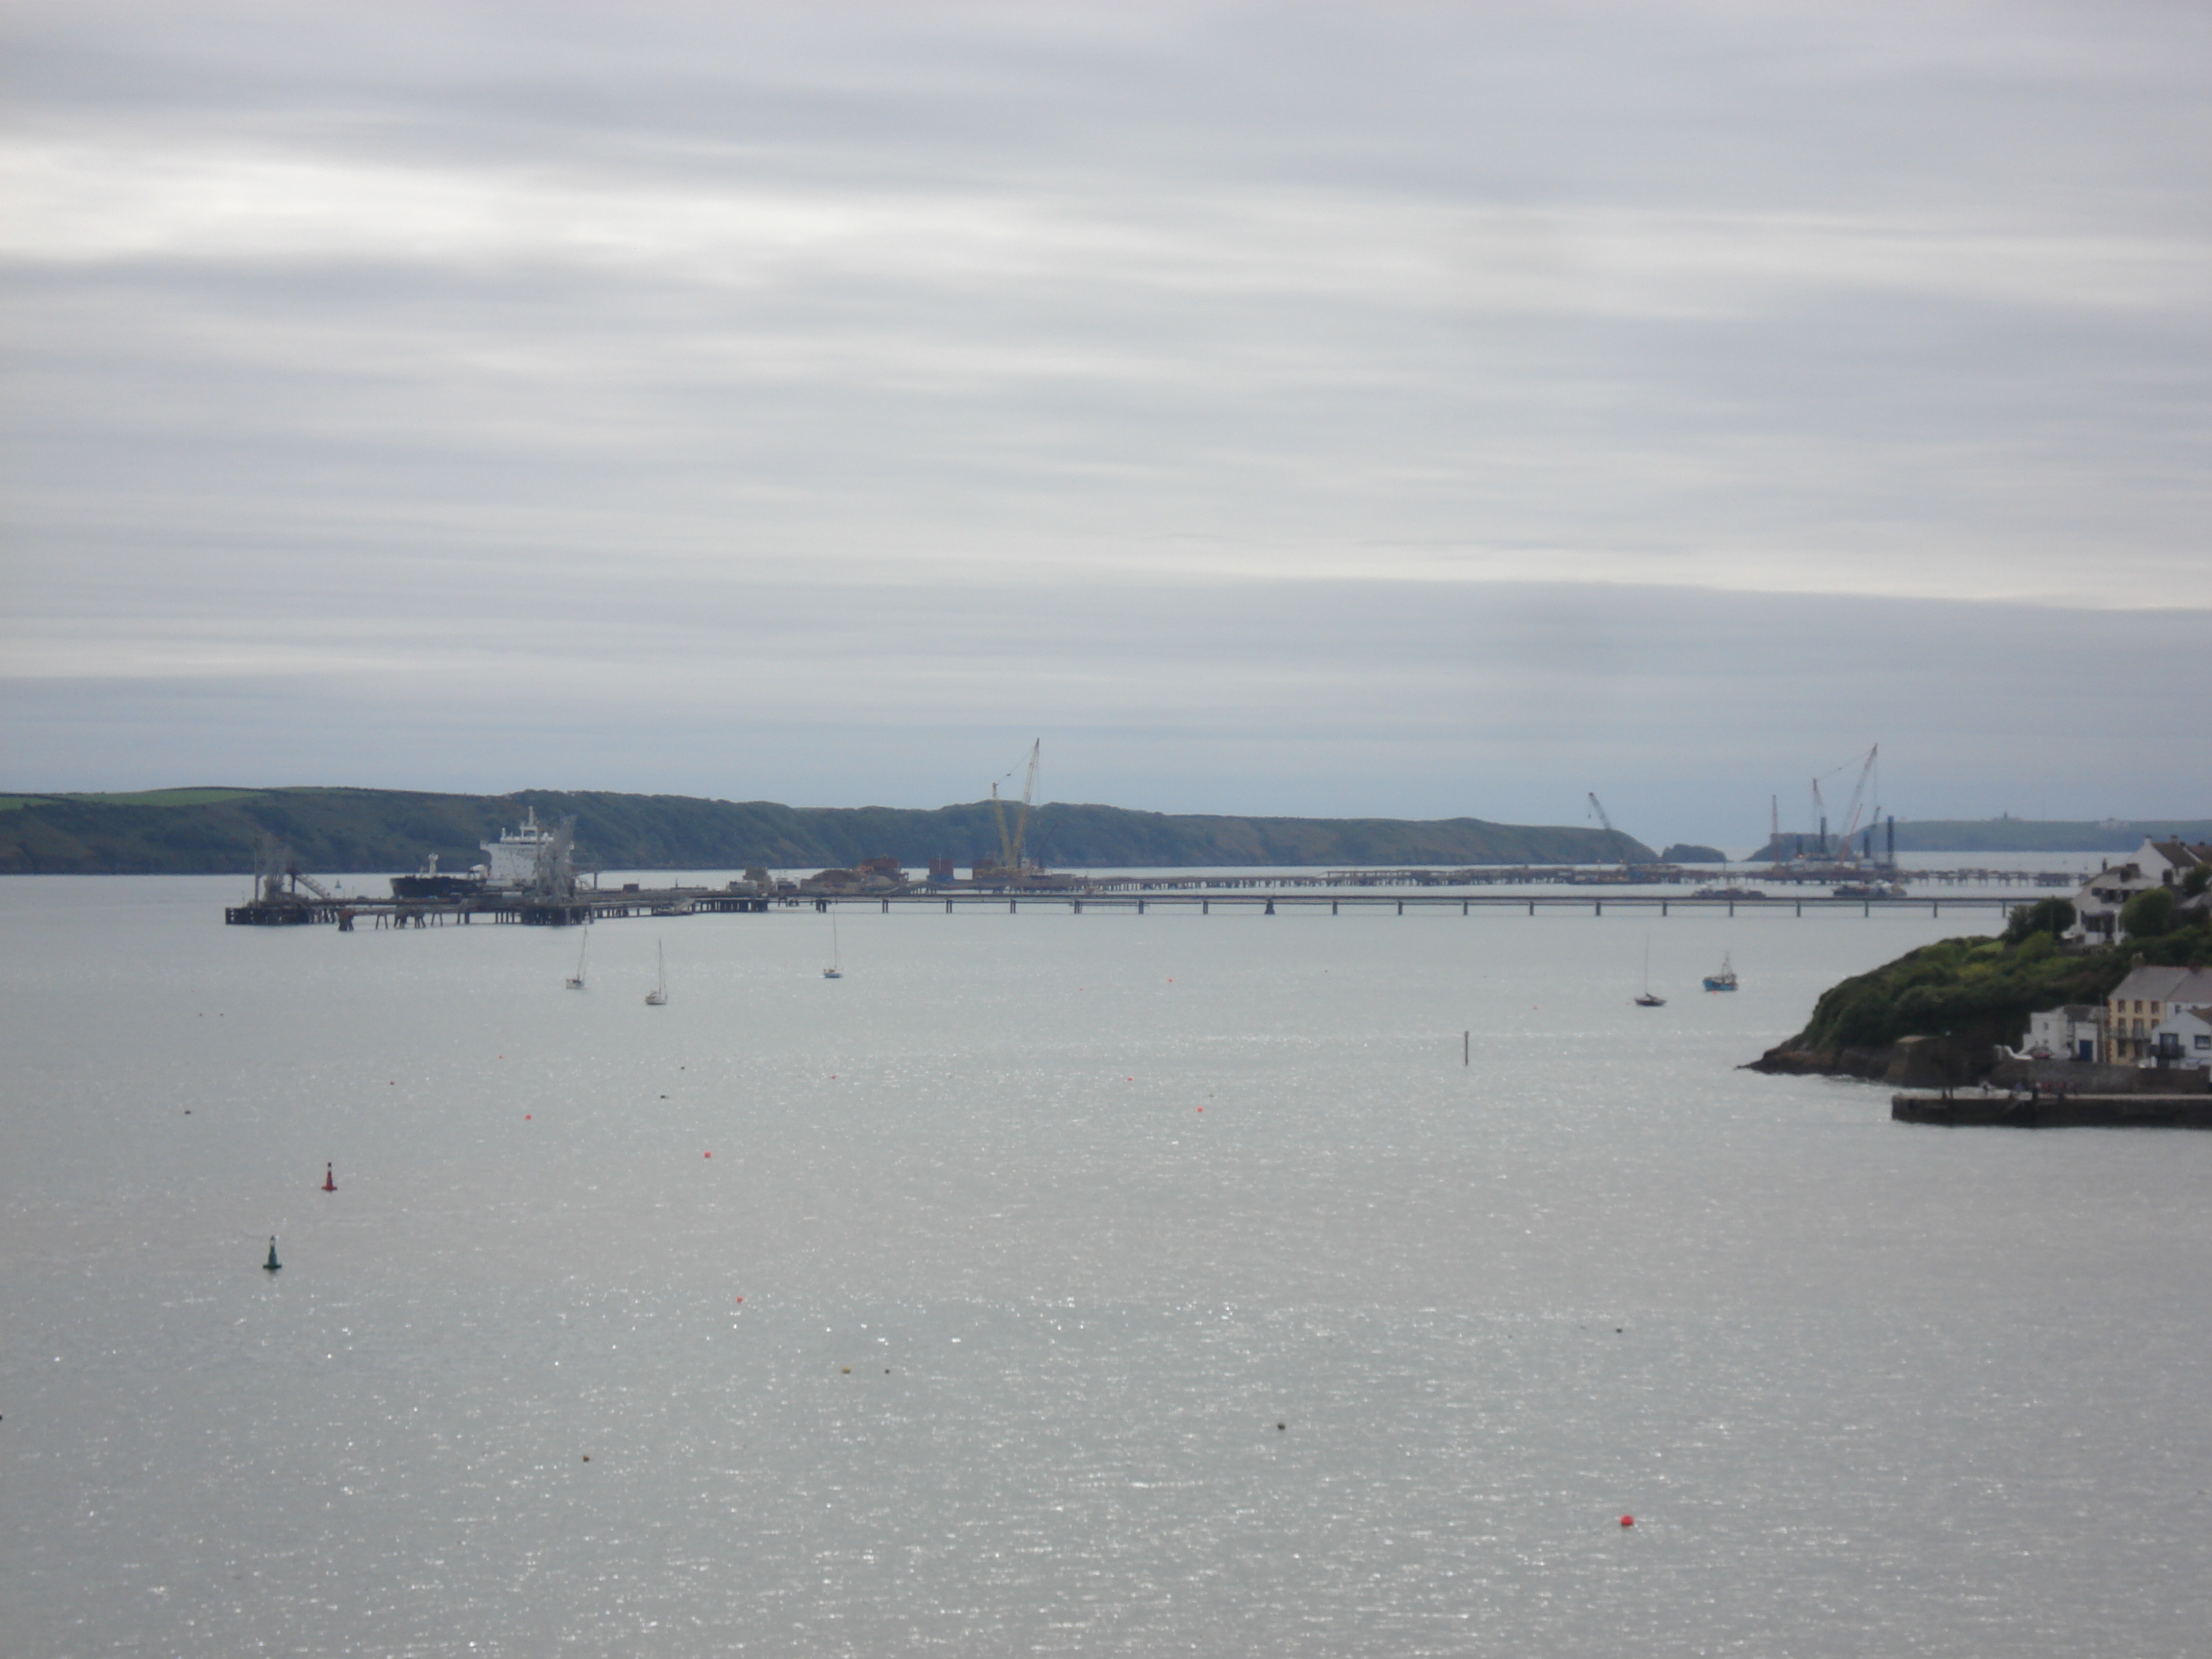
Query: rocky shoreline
[(1913, 1062), (1943, 1063)]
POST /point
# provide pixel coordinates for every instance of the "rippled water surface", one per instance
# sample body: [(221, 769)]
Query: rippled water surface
[(1056, 1284)]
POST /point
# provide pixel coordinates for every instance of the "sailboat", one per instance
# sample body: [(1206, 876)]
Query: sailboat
[(1647, 1000), (576, 980), (833, 972), (1724, 980), (658, 994)]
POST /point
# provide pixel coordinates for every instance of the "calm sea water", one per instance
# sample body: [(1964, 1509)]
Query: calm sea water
[(926, 1311)]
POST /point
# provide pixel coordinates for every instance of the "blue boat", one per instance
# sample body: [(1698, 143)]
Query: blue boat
[(1724, 980)]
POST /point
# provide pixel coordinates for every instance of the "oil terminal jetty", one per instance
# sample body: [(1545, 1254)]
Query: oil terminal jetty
[(589, 905), (530, 877)]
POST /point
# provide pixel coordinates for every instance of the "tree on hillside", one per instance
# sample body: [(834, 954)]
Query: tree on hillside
[(2148, 914), (2052, 916)]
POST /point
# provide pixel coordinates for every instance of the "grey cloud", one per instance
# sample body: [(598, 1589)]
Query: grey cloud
[(815, 374)]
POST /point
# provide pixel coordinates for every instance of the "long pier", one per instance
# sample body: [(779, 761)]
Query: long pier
[(1236, 894), (1467, 903), (706, 900)]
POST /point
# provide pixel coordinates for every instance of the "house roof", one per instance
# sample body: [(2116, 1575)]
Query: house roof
[(2114, 881), (2181, 854), (2189, 984)]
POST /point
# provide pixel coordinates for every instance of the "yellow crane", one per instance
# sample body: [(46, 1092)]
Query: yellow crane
[(1010, 846)]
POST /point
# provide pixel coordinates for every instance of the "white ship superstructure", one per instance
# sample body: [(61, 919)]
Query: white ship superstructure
[(513, 859)]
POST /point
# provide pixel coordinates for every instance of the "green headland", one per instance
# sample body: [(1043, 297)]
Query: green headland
[(1959, 998), (214, 831)]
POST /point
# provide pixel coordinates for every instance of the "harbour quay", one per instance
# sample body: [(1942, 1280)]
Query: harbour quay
[(2050, 1110)]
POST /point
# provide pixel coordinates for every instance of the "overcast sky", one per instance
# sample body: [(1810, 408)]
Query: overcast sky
[(1379, 408)]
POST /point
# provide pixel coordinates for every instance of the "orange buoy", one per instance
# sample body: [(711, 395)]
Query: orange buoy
[(330, 1182), (1627, 1520)]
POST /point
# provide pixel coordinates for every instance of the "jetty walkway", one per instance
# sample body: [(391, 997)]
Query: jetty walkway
[(589, 906)]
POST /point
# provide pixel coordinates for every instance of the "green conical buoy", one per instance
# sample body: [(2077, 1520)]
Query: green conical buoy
[(272, 1264)]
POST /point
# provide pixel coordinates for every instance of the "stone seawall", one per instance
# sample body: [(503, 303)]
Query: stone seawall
[(1963, 1111)]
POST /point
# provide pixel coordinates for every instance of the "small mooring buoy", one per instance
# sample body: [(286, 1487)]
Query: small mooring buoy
[(272, 1264), (1627, 1520), (330, 1180)]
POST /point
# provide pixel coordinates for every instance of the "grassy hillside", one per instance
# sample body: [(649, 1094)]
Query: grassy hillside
[(1975, 992), (213, 831)]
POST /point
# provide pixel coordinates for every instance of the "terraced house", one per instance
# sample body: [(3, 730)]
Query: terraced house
[(2159, 1016)]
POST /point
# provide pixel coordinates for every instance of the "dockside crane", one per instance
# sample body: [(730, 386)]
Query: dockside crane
[(1860, 800), (1612, 833), (1011, 846)]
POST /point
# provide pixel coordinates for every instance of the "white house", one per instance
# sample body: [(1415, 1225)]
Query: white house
[(2074, 1032), (2143, 1002), (2184, 1037), (2154, 864)]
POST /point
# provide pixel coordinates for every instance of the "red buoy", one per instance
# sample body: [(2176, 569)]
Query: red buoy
[(1627, 1520), (330, 1182)]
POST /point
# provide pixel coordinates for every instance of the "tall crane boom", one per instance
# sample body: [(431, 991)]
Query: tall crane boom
[(1028, 799), (1612, 833), (1011, 843), (1860, 798)]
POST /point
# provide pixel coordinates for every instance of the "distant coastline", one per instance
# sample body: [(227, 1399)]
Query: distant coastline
[(2011, 835), (213, 831)]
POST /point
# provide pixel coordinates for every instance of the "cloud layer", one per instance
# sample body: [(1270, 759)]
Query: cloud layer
[(395, 359)]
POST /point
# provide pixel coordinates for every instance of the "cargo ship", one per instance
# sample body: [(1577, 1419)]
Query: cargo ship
[(510, 861)]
